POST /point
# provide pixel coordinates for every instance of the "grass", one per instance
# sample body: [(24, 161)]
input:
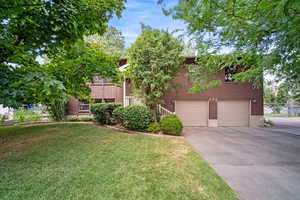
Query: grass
[(86, 162), (278, 115)]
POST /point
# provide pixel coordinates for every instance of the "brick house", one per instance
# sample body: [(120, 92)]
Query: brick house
[(230, 104)]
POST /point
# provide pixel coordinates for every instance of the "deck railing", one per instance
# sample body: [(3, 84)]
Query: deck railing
[(163, 111)]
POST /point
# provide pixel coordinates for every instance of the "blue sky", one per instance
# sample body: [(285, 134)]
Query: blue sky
[(147, 12)]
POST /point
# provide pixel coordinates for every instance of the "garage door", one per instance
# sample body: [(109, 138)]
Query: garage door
[(192, 113), (233, 113)]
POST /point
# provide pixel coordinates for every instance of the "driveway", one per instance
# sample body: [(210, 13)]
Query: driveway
[(258, 163)]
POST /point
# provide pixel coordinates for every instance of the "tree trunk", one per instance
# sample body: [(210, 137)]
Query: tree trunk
[(153, 109)]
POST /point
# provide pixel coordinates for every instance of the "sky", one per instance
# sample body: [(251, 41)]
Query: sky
[(147, 12)]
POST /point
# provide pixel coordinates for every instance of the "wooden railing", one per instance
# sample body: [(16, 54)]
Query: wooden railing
[(163, 111)]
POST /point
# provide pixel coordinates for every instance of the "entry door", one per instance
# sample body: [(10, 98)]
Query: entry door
[(233, 113), (192, 113)]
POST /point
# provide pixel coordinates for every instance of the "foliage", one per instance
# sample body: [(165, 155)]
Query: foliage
[(154, 127), (264, 27), (52, 84), (208, 65), (171, 125), (135, 118), (50, 24), (103, 112), (34, 28), (119, 114), (275, 96), (75, 67), (154, 59), (56, 109), (78, 119), (3, 118), (23, 115), (112, 42), (268, 123)]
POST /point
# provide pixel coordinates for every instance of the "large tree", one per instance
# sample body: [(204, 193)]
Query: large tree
[(269, 28), (37, 27), (65, 76), (111, 42), (276, 95), (155, 60)]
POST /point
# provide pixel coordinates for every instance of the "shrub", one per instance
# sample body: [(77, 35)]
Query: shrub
[(3, 118), (26, 115), (154, 127), (136, 117), (78, 119), (171, 125), (103, 112), (86, 119), (57, 110), (119, 114)]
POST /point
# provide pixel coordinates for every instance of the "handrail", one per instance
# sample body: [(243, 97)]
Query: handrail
[(163, 111)]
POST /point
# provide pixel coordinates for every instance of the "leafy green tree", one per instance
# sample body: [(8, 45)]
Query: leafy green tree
[(32, 28), (65, 76), (276, 96), (207, 65), (269, 28), (111, 42), (76, 66), (155, 60)]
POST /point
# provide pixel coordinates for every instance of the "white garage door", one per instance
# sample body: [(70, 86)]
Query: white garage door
[(233, 113), (192, 113)]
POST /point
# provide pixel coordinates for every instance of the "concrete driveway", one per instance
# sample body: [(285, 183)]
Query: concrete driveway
[(258, 163)]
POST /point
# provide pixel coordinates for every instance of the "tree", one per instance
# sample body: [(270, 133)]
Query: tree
[(65, 76), (111, 42), (269, 28), (32, 28), (155, 60), (276, 96), (73, 68)]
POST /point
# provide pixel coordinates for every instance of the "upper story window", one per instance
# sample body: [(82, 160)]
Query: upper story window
[(229, 73), (100, 80)]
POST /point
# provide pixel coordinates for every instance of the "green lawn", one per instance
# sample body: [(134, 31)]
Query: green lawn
[(278, 115), (80, 162)]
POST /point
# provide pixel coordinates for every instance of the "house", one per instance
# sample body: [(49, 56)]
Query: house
[(230, 104)]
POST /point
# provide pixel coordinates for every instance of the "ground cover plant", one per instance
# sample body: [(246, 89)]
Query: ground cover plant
[(80, 161)]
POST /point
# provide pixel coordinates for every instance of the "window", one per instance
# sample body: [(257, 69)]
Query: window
[(84, 106), (100, 80), (229, 73), (109, 100), (104, 100)]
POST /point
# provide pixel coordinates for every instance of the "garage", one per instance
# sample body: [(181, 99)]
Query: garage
[(233, 113), (192, 113)]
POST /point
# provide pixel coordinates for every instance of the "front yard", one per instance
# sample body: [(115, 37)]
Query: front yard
[(80, 161)]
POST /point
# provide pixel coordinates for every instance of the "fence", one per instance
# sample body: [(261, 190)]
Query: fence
[(290, 109)]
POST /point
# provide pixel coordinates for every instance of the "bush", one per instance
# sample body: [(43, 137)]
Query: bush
[(154, 127), (57, 110), (3, 118), (119, 114), (103, 112), (171, 125), (79, 119), (135, 118), (26, 115)]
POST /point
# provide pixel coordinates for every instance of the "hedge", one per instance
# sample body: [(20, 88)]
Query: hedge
[(103, 112)]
